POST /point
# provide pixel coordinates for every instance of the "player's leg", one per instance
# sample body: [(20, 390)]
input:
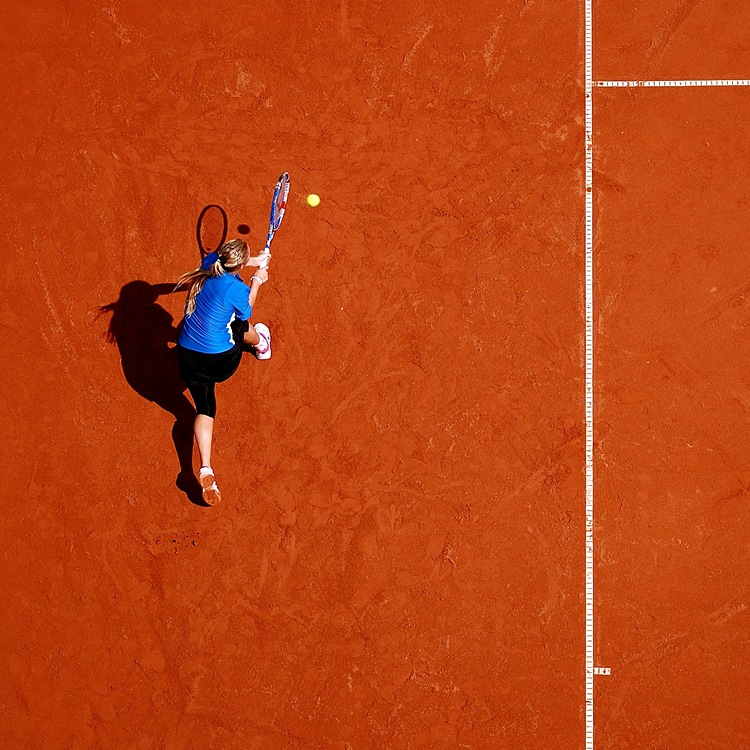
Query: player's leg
[(251, 337), (196, 372), (204, 396), (203, 427), (244, 334), (259, 337)]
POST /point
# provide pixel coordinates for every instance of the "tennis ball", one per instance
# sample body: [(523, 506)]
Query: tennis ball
[(313, 200)]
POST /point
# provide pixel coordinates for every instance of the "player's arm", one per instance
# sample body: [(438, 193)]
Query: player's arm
[(259, 277)]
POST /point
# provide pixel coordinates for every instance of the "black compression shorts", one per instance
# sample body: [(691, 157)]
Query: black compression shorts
[(200, 371)]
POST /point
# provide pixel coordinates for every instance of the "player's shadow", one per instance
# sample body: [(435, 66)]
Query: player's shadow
[(142, 330)]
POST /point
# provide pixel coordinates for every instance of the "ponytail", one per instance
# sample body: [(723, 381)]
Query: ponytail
[(231, 255), (195, 280)]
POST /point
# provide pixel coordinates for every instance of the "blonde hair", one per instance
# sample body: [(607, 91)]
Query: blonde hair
[(232, 255)]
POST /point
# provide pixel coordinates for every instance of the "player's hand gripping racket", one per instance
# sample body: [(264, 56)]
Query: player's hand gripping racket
[(278, 206)]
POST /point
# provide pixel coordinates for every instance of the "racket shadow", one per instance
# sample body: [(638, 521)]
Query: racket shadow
[(143, 330), (211, 229)]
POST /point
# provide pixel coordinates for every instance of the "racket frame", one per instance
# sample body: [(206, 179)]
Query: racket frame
[(278, 207)]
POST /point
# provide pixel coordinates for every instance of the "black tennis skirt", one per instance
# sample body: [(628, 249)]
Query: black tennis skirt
[(199, 367)]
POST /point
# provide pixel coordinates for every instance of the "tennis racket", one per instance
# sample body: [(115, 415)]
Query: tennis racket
[(278, 206)]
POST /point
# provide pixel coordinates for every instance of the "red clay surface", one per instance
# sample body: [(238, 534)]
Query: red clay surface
[(398, 559), (673, 472), (671, 39)]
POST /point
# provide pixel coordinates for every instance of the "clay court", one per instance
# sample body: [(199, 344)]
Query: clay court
[(400, 557)]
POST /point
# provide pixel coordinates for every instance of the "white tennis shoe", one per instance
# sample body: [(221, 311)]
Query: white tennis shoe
[(211, 494), (263, 347)]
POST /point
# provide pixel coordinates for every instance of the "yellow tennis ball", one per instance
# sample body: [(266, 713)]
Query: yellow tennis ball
[(313, 200)]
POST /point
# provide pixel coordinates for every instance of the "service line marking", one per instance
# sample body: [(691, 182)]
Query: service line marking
[(590, 670), (675, 84), (590, 84)]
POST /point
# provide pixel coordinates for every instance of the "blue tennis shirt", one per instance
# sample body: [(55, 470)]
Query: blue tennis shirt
[(222, 299)]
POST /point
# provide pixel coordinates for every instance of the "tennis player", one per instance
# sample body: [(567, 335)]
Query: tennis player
[(215, 327)]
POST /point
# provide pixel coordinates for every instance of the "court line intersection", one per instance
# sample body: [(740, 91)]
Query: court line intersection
[(590, 84)]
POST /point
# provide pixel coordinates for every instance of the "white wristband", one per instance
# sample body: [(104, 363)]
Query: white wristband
[(257, 278)]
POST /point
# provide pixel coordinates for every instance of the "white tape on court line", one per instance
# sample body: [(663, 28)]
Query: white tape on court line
[(589, 382), (674, 84), (591, 670)]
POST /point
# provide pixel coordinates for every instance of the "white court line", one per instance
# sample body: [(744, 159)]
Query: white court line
[(591, 669), (589, 382), (676, 84)]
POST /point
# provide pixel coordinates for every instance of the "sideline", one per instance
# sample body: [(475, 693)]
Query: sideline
[(589, 384), (590, 670)]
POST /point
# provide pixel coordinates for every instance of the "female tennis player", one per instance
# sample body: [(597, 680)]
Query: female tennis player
[(214, 329)]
